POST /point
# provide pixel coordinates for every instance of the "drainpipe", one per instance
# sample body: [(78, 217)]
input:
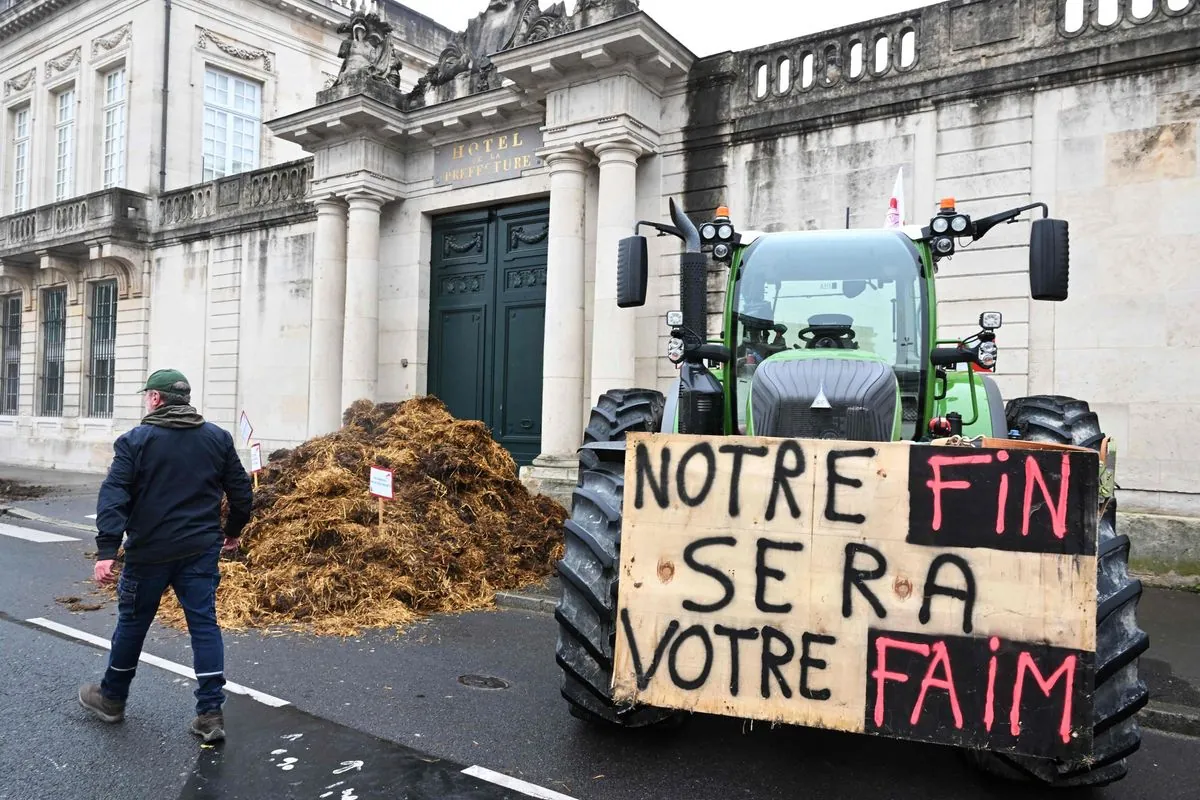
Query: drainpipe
[(166, 92)]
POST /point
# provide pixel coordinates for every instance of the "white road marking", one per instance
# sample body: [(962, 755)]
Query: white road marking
[(89, 516), (30, 535), (162, 663), (531, 789)]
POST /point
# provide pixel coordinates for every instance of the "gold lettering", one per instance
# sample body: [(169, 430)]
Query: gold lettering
[(525, 161), (473, 148), (516, 139), (504, 142), (487, 145), (458, 152)]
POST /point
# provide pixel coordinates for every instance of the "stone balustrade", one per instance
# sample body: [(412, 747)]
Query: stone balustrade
[(940, 41), (67, 225), (265, 193)]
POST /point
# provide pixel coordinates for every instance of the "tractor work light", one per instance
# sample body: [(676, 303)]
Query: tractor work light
[(987, 354), (990, 320), (721, 251), (959, 224), (944, 245), (675, 319), (725, 231), (940, 224), (708, 231)]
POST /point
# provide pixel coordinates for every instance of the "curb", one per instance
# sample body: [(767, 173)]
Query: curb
[(526, 602), (1169, 718), (33, 516)]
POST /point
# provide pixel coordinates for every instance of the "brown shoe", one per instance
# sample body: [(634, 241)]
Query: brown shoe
[(210, 726), (104, 708)]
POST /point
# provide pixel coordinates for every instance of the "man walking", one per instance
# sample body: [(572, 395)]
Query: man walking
[(163, 492)]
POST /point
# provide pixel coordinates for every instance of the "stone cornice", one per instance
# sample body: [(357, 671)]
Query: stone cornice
[(359, 115), (28, 14), (634, 40)]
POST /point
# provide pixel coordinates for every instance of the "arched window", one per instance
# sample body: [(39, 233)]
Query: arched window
[(881, 54), (783, 80), (1141, 9), (856, 60), (806, 70), (1108, 12), (908, 49), (1073, 15), (760, 81)]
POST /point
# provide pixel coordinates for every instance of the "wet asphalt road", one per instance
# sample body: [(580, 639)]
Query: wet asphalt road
[(396, 703)]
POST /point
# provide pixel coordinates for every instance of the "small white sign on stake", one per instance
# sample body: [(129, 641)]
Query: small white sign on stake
[(256, 461), (381, 487), (381, 483), (247, 430)]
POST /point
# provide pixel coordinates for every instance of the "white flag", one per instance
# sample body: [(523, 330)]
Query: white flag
[(895, 213)]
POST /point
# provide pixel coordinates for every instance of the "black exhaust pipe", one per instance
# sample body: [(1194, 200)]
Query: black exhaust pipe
[(693, 276)]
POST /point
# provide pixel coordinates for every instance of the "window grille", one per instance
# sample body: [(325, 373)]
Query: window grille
[(103, 359), (54, 341), (10, 354)]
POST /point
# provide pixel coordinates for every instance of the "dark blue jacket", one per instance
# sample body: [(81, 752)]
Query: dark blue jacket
[(163, 491)]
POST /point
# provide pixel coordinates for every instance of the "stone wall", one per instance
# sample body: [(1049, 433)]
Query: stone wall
[(997, 104)]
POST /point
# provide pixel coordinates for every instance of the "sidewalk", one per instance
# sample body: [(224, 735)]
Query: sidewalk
[(1170, 668)]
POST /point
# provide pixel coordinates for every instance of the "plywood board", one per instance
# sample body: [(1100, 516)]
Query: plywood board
[(885, 588)]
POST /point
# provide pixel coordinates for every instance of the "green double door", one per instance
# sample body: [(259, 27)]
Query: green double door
[(487, 320)]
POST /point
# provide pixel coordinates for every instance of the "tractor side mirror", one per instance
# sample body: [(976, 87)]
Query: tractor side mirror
[(632, 273), (1049, 259)]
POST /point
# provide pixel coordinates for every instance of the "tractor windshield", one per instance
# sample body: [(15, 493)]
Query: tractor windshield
[(831, 290)]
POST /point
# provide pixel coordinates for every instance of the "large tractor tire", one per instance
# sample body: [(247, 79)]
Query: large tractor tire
[(587, 609), (618, 412), (1119, 692)]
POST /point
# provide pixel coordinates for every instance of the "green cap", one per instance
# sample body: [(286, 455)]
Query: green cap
[(167, 380)]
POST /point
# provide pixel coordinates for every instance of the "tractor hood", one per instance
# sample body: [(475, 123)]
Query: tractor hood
[(825, 394)]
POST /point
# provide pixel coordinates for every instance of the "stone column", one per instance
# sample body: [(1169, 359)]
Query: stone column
[(360, 346), (328, 318), (563, 356), (613, 328)]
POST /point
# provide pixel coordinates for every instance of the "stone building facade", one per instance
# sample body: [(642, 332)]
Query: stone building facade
[(453, 232)]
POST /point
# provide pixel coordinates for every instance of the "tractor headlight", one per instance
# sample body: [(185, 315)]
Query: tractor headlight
[(721, 250), (674, 348), (990, 320), (940, 225), (708, 231), (987, 354), (725, 231), (959, 224), (674, 319), (943, 245)]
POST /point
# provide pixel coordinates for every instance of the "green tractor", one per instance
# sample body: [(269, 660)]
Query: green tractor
[(832, 334)]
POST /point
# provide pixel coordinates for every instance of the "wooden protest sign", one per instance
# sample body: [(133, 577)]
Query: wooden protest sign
[(940, 594)]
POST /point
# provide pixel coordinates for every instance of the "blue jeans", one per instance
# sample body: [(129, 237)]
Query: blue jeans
[(139, 590)]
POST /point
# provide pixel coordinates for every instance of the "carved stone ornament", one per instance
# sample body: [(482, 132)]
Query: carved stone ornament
[(19, 83), (367, 49), (465, 66), (111, 41), (62, 63), (230, 49)]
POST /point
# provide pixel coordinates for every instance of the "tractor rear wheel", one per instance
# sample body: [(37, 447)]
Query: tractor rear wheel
[(1119, 692), (589, 569)]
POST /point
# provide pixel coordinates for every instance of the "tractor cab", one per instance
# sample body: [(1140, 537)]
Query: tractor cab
[(815, 314)]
